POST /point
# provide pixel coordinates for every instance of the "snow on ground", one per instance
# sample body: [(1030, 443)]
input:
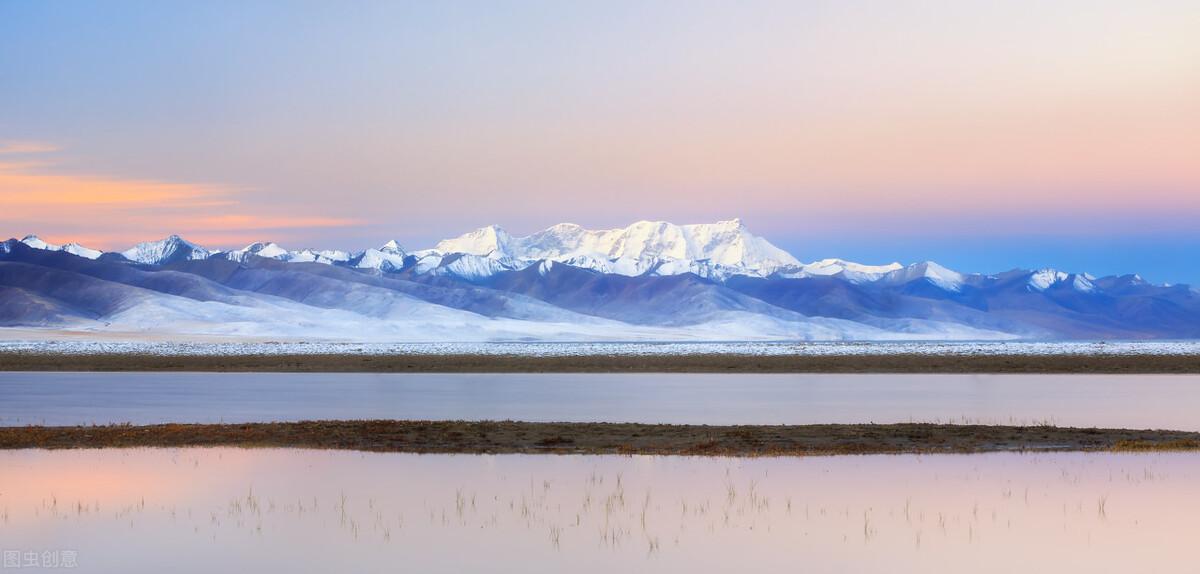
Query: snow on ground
[(12, 340)]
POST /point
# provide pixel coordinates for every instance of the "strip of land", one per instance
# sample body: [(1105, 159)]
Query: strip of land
[(692, 363), (498, 437)]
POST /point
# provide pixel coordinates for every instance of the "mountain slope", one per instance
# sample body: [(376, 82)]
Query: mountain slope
[(169, 250), (648, 280)]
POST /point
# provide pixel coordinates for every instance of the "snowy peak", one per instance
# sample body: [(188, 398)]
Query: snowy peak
[(474, 267), (725, 243), (729, 243), (1043, 279), (716, 251), (268, 250), (942, 277), (77, 249), (646, 246), (848, 270), (327, 256), (490, 241), (37, 243), (389, 257), (171, 249), (833, 266), (272, 250), (1083, 283)]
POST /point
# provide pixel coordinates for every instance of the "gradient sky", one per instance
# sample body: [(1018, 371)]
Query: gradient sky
[(983, 135)]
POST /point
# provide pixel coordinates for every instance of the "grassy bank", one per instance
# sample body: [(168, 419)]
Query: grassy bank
[(604, 438), (713, 363)]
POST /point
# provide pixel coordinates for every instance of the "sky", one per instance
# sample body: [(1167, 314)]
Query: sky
[(982, 135)]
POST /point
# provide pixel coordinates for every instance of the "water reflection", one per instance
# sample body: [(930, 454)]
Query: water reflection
[(1115, 401), (205, 510)]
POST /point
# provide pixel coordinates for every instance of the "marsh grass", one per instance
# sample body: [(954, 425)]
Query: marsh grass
[(497, 437), (1143, 445), (897, 362)]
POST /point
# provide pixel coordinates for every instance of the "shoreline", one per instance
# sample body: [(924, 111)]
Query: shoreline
[(512, 437), (663, 363)]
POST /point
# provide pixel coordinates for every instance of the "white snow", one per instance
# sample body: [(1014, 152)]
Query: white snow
[(156, 252), (1083, 283), (426, 262), (848, 270), (1043, 279), (472, 267), (327, 256), (37, 243), (936, 274), (268, 250), (77, 249), (85, 343), (272, 251), (73, 248), (389, 257), (375, 314), (401, 320), (714, 250), (721, 248), (490, 241)]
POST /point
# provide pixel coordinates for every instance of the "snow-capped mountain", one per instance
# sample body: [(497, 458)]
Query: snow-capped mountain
[(37, 243), (268, 250), (490, 241), (716, 251), (1044, 279), (650, 280), (929, 271), (723, 248), (326, 256), (77, 249), (470, 267), (169, 250), (72, 248), (389, 257), (271, 250), (848, 270)]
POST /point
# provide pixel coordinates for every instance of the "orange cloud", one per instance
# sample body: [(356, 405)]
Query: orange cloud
[(16, 147), (21, 187), (108, 212)]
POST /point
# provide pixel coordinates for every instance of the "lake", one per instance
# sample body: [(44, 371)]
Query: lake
[(1129, 401), (224, 509)]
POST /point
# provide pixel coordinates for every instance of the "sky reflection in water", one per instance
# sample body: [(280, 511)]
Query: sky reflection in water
[(206, 510)]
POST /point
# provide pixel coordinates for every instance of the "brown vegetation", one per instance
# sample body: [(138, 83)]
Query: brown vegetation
[(603, 438), (710, 363)]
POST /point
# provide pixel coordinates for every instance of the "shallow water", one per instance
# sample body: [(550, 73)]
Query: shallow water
[(215, 510), (1128, 401)]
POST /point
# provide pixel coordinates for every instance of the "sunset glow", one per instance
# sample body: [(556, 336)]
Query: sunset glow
[(872, 130)]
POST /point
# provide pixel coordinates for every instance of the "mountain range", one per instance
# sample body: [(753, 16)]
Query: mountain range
[(647, 281)]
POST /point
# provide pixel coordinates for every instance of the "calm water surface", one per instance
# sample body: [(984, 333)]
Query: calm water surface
[(222, 510), (1131, 401)]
